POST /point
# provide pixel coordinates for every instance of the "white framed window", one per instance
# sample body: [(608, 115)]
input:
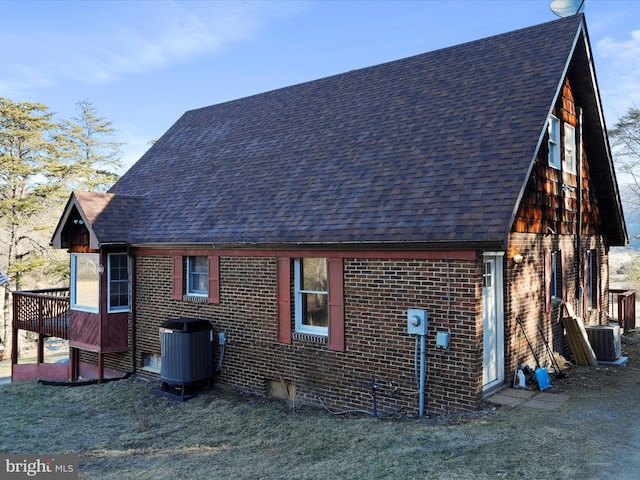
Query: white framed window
[(311, 296), (554, 142), (569, 162), (85, 282), (118, 282), (198, 276)]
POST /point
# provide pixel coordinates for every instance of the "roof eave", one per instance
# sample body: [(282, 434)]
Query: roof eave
[(56, 240), (477, 245)]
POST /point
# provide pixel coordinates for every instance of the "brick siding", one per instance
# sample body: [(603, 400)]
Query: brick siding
[(377, 294), (525, 297)]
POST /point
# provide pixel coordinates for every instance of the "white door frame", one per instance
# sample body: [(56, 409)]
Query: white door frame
[(493, 322)]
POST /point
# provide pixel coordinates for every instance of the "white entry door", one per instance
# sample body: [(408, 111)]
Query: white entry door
[(493, 333)]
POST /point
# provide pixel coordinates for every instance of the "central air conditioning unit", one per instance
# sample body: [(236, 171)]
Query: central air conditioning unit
[(605, 341), (186, 346)]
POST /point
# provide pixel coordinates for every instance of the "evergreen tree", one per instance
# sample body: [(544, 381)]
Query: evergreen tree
[(28, 183), (91, 158), (41, 161)]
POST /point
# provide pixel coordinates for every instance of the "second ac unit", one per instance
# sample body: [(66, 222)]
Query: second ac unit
[(605, 341)]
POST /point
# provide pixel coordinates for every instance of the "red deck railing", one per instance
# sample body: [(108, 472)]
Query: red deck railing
[(42, 311), (622, 307)]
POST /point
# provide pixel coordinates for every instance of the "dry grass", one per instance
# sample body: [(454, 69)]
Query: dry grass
[(121, 430)]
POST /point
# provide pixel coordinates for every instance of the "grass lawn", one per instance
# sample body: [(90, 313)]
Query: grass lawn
[(120, 430)]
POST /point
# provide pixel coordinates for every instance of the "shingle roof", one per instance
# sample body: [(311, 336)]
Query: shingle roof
[(110, 216), (434, 148)]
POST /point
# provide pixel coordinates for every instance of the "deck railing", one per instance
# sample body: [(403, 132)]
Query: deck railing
[(622, 307), (42, 311)]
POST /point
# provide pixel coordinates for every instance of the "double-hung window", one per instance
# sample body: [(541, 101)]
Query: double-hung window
[(197, 276), (118, 282), (554, 142), (569, 162), (316, 290), (311, 296), (85, 282)]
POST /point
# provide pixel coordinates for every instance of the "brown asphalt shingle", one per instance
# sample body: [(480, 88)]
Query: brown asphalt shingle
[(112, 217), (434, 148)]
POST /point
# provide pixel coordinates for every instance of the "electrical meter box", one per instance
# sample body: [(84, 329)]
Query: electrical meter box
[(417, 321)]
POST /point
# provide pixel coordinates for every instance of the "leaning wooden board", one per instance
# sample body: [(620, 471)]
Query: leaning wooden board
[(578, 340)]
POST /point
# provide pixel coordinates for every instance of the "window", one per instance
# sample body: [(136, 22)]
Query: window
[(152, 362), (569, 162), (311, 296), (332, 289), (118, 282), (202, 283), (592, 279), (556, 275), (488, 275), (554, 142), (197, 276), (555, 268), (85, 282)]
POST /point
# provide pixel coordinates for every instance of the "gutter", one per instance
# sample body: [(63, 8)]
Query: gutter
[(134, 322), (337, 245)]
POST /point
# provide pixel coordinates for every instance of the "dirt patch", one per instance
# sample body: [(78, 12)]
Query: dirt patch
[(605, 377)]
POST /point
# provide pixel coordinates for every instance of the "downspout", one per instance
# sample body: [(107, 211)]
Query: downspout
[(423, 374), (103, 303), (134, 326), (579, 290)]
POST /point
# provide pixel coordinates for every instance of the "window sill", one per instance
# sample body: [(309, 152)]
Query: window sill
[(309, 337), (79, 308), (151, 370), (195, 298), (118, 311)]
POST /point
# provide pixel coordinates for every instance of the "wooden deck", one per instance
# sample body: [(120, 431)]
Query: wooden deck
[(42, 311), (45, 312)]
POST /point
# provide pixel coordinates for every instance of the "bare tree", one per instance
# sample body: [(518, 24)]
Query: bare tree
[(625, 137)]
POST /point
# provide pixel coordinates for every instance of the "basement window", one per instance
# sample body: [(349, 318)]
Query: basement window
[(152, 362)]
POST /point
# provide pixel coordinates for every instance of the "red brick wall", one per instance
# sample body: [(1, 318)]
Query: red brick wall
[(525, 298), (377, 294)]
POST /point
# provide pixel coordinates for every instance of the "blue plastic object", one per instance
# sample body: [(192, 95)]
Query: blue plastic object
[(543, 378)]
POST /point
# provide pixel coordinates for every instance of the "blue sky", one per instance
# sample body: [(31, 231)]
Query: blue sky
[(144, 63)]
